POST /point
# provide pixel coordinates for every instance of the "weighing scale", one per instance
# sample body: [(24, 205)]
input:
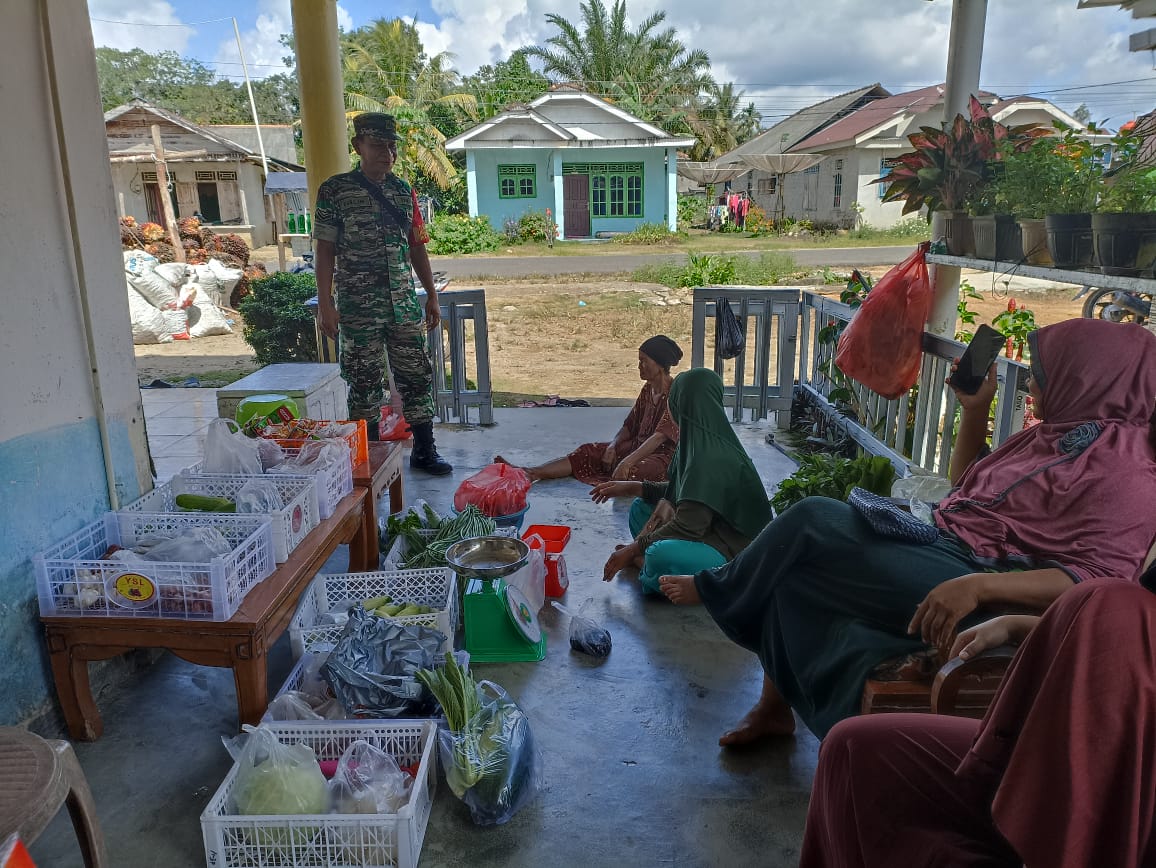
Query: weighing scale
[(500, 625)]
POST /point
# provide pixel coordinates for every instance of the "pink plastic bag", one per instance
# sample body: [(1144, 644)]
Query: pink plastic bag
[(496, 489), (882, 347)]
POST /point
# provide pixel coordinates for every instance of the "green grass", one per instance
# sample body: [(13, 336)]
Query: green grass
[(767, 270)]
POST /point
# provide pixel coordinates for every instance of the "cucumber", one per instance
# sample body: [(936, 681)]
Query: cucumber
[(411, 609), (205, 503), (376, 602)]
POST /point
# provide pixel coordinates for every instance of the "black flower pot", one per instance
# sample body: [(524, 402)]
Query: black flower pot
[(997, 236), (1125, 243), (1070, 240)]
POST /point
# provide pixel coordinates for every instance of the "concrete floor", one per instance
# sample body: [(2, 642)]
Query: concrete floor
[(633, 772)]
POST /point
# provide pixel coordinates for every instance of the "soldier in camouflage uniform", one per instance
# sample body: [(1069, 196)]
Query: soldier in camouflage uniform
[(367, 221)]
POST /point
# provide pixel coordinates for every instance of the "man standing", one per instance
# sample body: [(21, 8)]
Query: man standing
[(368, 221)]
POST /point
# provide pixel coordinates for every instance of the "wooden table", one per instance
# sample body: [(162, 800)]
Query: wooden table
[(239, 643), (381, 471)]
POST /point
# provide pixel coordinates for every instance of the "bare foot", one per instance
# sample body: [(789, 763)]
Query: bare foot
[(762, 721), (680, 590), (498, 459)]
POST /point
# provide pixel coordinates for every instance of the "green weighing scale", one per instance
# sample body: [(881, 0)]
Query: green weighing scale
[(500, 625)]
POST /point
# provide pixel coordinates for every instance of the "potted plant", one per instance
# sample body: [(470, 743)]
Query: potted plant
[(1124, 228), (1024, 182), (949, 167), (1074, 177)]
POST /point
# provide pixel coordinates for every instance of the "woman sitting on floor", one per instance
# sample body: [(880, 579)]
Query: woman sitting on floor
[(823, 598), (714, 503), (1060, 773), (643, 447)]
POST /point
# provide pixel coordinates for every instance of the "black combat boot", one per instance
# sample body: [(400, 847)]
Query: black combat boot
[(425, 454)]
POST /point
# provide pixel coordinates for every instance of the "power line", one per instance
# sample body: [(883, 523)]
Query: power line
[(151, 24)]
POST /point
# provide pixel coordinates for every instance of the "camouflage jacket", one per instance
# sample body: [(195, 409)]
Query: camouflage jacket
[(372, 249)]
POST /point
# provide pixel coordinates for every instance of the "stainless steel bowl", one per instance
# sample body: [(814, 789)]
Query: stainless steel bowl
[(488, 557)]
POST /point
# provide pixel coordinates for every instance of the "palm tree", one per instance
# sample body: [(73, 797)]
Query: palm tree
[(719, 124), (386, 69), (646, 68)]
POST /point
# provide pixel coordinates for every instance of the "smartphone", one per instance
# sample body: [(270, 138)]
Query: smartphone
[(973, 365)]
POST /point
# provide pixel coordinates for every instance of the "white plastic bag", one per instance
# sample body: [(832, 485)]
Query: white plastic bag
[(206, 319), (531, 579), (140, 268), (259, 496), (148, 324), (229, 451), (228, 277), (270, 453), (174, 272), (211, 288), (194, 545), (275, 778), (368, 781), (921, 492), (315, 456)]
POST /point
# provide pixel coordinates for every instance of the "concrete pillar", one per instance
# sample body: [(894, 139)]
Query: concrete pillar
[(323, 128), (559, 194), (472, 182), (964, 57), (672, 189)]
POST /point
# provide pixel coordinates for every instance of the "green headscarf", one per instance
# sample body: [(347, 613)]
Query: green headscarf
[(710, 465)]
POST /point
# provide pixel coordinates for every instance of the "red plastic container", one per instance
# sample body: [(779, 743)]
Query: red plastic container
[(555, 537)]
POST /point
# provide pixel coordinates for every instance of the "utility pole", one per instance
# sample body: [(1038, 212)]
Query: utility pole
[(166, 200)]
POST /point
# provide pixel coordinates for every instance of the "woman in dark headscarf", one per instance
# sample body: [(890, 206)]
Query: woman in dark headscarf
[(823, 598), (714, 503), (644, 445)]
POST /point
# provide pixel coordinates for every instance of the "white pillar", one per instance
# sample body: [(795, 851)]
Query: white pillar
[(964, 57), (472, 182), (672, 189), (559, 194)]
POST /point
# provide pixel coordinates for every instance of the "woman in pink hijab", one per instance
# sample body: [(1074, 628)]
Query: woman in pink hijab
[(824, 594)]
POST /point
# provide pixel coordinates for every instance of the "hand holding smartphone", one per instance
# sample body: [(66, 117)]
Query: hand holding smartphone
[(977, 359)]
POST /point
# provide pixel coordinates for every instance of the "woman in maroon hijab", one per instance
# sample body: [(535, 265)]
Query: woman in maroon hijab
[(823, 596), (1060, 774)]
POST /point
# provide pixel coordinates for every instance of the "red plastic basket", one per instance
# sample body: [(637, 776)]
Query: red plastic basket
[(555, 537), (358, 441)]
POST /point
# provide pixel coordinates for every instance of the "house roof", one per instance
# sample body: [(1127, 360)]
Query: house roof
[(1001, 108), (565, 118), (806, 122), (876, 114)]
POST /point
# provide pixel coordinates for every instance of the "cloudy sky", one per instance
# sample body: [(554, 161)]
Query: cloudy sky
[(785, 54)]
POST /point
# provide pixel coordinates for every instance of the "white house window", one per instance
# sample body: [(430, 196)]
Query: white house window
[(885, 166), (838, 198), (838, 165), (517, 182), (767, 186)]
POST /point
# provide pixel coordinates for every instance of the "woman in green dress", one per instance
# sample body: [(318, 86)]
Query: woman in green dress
[(713, 504)]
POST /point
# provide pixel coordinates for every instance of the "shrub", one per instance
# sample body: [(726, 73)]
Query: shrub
[(704, 269), (767, 270), (454, 233), (278, 325), (535, 226), (692, 211), (649, 233)]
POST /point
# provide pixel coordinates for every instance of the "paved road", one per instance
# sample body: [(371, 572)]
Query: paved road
[(613, 263)]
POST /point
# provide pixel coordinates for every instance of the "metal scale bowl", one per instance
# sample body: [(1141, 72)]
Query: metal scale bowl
[(500, 625)]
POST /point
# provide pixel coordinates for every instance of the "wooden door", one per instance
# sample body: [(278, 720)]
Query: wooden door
[(576, 205), (186, 198)]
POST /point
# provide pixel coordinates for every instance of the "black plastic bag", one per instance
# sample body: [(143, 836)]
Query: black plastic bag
[(730, 337), (586, 636)]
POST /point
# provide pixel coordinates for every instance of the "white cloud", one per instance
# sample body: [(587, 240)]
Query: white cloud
[(262, 43), (129, 36), (787, 54)]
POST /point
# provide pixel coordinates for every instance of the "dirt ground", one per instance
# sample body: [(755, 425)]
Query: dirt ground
[(568, 338)]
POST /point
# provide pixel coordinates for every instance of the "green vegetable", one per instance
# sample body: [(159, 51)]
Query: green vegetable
[(376, 602), (824, 475), (205, 503), (289, 781), (432, 519), (455, 691)]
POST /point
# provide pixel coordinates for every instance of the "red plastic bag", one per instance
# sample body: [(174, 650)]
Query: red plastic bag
[(497, 489), (882, 347)]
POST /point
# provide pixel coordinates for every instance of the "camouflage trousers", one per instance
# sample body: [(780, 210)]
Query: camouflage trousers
[(367, 334)]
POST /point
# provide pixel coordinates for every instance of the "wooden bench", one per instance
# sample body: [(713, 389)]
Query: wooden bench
[(240, 643), (383, 470)]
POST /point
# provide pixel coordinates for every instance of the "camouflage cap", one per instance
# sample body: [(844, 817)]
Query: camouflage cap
[(376, 125)]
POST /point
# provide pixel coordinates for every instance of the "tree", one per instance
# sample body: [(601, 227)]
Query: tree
[(719, 124), (1083, 114), (505, 83), (647, 69), (387, 70)]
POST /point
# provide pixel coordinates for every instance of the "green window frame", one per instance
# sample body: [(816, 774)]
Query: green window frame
[(517, 182), (616, 189)]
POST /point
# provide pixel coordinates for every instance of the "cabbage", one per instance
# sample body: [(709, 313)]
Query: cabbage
[(287, 780)]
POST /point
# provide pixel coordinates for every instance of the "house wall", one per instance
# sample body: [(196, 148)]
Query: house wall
[(130, 198), (51, 467), (485, 162), (876, 212)]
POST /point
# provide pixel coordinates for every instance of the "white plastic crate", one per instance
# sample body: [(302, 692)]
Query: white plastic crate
[(297, 676), (436, 588), (291, 524), (333, 482), (71, 578), (330, 840)]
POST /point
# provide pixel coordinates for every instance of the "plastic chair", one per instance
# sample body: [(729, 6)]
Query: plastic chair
[(37, 777)]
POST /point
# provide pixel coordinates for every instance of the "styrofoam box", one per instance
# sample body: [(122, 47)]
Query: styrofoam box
[(436, 588), (72, 578), (330, 840), (291, 524), (333, 482)]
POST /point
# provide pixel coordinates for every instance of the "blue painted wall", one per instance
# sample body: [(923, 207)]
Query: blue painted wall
[(484, 179), (52, 484)]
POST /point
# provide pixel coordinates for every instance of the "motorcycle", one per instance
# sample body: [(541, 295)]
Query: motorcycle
[(1116, 305)]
